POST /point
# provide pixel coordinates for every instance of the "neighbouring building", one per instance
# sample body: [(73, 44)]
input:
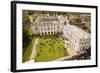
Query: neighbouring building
[(78, 38)]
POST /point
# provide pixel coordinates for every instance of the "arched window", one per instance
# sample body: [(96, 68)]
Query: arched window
[(45, 29), (36, 28), (54, 28), (42, 33), (64, 23), (45, 33), (83, 48), (51, 28), (48, 28), (58, 27), (48, 32)]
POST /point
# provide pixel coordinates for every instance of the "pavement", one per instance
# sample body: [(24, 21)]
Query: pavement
[(33, 54)]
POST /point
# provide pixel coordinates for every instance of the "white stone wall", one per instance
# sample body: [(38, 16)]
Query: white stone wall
[(42, 28), (79, 39), (34, 30), (54, 28), (45, 30)]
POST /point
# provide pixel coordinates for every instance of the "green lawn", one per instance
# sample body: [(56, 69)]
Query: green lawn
[(28, 51), (50, 47)]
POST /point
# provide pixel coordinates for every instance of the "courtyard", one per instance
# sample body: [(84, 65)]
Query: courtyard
[(50, 47)]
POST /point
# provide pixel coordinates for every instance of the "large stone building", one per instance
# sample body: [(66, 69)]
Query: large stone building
[(78, 38), (46, 24)]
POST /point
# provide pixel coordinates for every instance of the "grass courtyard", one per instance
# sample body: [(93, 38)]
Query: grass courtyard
[(50, 47)]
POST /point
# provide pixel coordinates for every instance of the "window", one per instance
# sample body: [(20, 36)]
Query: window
[(51, 32), (48, 32), (48, 28), (83, 48), (45, 29), (58, 27), (45, 33), (54, 28), (42, 33), (36, 28), (64, 23)]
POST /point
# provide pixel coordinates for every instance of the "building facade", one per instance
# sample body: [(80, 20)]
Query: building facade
[(78, 38), (46, 24)]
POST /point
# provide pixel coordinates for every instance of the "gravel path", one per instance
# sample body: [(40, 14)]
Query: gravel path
[(33, 54)]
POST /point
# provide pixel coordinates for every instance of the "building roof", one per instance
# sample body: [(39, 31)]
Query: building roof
[(46, 20), (76, 31)]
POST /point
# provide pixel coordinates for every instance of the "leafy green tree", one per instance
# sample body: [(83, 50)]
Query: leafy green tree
[(27, 34), (30, 12)]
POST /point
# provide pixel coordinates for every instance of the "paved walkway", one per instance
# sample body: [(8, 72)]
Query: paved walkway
[(70, 50), (33, 54)]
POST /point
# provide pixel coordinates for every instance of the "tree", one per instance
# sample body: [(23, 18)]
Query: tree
[(27, 34), (30, 12)]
